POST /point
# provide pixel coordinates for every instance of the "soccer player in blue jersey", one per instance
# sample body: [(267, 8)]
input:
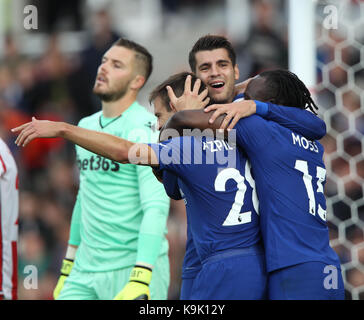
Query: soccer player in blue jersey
[(208, 62), (221, 213), (212, 59), (290, 175), (236, 241)]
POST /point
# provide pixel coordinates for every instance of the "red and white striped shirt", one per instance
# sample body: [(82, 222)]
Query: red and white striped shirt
[(9, 211)]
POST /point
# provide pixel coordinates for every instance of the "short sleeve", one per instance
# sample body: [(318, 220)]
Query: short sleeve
[(297, 120), (170, 182), (171, 155)]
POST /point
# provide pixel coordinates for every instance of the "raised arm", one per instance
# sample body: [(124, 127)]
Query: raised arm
[(101, 143), (188, 119), (295, 119)]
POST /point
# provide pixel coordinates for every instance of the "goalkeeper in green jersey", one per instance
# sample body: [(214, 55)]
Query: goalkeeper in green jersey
[(117, 246)]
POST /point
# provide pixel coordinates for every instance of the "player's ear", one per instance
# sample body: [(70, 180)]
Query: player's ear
[(137, 82), (172, 106)]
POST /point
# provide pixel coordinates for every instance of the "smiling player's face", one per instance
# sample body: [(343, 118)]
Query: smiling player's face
[(216, 70)]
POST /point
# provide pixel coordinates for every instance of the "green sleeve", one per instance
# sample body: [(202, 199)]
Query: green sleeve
[(155, 205), (75, 237)]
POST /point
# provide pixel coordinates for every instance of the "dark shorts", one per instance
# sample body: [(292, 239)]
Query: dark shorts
[(236, 274), (307, 281)]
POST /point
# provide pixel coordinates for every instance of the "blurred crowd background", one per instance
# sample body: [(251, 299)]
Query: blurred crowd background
[(49, 73)]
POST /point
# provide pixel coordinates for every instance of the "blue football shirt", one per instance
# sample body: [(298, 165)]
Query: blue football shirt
[(290, 177), (216, 180)]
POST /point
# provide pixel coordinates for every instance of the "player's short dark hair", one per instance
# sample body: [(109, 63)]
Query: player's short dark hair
[(142, 55), (177, 83), (287, 89), (211, 42)]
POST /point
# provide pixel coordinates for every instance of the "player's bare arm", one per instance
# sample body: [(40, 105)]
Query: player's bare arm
[(101, 143), (189, 119), (233, 111), (216, 116)]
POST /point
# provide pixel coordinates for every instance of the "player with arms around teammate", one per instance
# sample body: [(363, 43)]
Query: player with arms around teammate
[(213, 60), (220, 236), (164, 109), (193, 280), (9, 212), (118, 224), (290, 176)]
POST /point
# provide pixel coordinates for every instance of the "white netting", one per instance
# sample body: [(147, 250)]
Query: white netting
[(340, 96)]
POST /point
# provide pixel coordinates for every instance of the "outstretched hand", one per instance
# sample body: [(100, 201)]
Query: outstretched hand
[(234, 112), (36, 129), (190, 99)]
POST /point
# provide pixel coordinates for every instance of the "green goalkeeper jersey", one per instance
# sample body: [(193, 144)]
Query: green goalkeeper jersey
[(121, 209)]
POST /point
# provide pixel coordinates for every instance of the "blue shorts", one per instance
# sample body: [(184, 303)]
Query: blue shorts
[(188, 278), (186, 288), (307, 281), (236, 274)]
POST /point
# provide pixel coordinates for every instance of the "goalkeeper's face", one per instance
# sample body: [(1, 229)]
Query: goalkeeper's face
[(115, 74), (217, 72)]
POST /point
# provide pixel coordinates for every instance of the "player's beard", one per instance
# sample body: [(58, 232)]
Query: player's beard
[(218, 101), (111, 96), (223, 100)]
